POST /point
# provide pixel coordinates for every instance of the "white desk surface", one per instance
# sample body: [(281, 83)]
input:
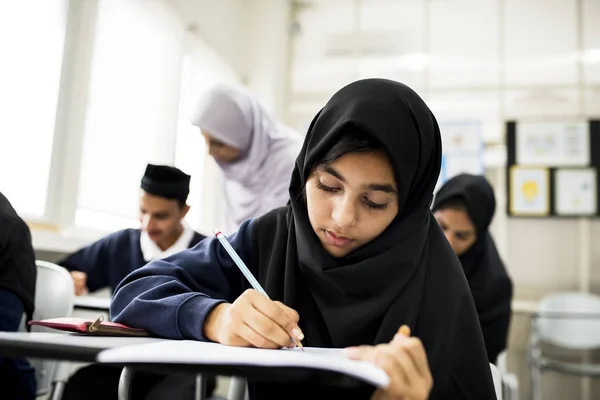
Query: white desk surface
[(92, 302), (180, 353), (75, 340)]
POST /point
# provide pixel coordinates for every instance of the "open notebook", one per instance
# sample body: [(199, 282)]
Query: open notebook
[(202, 353)]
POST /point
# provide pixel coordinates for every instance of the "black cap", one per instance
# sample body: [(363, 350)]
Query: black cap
[(166, 181)]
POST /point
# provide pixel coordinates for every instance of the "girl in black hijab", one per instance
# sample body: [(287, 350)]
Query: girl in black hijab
[(464, 208), (355, 255)]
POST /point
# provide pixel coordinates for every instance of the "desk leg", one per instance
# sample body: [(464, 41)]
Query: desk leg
[(57, 391), (125, 383), (237, 389), (200, 387)]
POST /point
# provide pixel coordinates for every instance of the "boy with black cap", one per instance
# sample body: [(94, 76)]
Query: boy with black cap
[(164, 191)]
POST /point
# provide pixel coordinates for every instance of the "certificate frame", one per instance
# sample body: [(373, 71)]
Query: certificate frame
[(529, 191), (576, 192)]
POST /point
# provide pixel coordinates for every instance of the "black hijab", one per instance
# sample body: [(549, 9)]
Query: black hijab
[(407, 275), (489, 282), (17, 259)]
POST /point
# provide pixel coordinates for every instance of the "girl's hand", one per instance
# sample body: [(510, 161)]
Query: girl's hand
[(405, 362), (253, 320)]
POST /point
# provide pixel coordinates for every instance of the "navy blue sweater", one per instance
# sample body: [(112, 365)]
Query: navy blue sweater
[(109, 260), (181, 290)]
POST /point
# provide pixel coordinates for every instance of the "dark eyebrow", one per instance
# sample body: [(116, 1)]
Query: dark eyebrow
[(333, 172), (387, 188)]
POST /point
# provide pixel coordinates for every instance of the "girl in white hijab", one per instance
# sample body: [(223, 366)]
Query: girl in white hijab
[(255, 153)]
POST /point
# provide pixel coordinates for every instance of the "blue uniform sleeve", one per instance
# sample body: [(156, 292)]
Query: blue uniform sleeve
[(171, 298), (94, 260)]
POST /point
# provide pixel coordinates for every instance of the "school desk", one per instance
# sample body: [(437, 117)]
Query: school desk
[(92, 303), (62, 346)]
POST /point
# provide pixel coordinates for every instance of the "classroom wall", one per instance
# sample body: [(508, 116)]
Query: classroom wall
[(252, 36), (268, 32), (595, 255), (220, 24)]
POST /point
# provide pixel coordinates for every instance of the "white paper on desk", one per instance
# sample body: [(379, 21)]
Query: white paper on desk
[(202, 353)]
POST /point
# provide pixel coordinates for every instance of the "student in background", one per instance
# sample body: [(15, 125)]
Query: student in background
[(464, 207), (164, 191), (163, 232), (255, 153), (17, 295), (355, 255)]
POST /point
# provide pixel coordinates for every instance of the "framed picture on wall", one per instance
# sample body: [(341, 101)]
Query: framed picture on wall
[(575, 192), (553, 143), (529, 191)]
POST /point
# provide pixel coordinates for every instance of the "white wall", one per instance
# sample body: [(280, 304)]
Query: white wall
[(249, 35), (267, 27), (220, 25)]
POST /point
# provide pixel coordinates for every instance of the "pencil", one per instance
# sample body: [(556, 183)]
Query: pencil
[(253, 282)]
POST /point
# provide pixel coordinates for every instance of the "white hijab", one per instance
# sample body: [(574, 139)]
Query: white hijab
[(258, 182)]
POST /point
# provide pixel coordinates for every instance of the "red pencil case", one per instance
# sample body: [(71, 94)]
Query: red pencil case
[(90, 327)]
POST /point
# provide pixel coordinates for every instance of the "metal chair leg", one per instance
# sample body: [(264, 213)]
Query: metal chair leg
[(125, 381), (200, 387), (58, 388), (237, 389), (536, 382)]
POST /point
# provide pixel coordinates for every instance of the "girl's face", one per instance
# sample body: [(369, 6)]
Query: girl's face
[(458, 228), (219, 150), (351, 201)]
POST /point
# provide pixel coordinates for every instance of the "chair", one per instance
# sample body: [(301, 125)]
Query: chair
[(567, 320), (497, 377), (54, 297), (510, 383)]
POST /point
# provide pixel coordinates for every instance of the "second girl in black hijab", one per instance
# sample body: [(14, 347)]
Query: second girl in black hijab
[(464, 207), (355, 255)]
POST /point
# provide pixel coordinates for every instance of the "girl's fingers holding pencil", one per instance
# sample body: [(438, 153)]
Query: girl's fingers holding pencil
[(266, 328), (256, 339), (283, 316), (241, 324), (271, 324), (294, 316)]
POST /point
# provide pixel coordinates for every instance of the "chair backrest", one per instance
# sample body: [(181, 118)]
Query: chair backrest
[(579, 329), (510, 383), (54, 297), (497, 377), (501, 362)]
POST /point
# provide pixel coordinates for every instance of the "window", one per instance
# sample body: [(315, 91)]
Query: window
[(190, 150), (131, 117), (32, 35), (201, 69)]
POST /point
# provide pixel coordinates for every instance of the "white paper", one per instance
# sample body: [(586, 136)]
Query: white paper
[(553, 144), (575, 191), (203, 353), (529, 191)]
